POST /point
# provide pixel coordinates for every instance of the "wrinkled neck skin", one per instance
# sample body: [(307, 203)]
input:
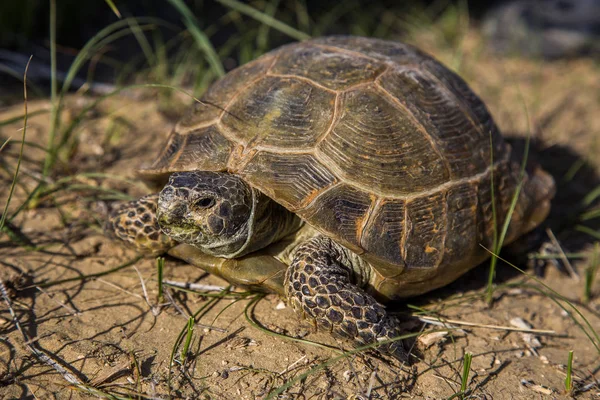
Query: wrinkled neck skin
[(268, 223)]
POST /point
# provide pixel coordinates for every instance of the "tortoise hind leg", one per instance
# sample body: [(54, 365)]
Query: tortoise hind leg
[(135, 224), (321, 285)]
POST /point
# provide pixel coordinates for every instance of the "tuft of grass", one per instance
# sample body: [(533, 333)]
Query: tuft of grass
[(561, 301), (569, 377), (195, 317), (464, 381), (188, 340), (199, 36), (274, 394), (499, 240)]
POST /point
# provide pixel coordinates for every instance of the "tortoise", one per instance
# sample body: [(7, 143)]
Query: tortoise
[(341, 173)]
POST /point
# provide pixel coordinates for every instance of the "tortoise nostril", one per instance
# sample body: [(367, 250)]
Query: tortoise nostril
[(172, 215)]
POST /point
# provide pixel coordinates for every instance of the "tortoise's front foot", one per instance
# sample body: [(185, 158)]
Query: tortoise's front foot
[(321, 286), (136, 225)]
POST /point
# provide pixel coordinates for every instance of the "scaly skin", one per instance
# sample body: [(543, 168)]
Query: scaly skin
[(320, 286), (135, 223), (323, 282)]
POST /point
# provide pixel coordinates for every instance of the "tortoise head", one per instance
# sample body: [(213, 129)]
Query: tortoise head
[(539, 190), (209, 210)]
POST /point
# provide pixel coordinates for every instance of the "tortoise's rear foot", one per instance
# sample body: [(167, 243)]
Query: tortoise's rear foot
[(321, 286), (135, 224)]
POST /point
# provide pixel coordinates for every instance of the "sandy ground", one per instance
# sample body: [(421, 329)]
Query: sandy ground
[(111, 334)]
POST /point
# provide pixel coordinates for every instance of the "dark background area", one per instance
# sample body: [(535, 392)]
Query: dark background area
[(25, 21), (24, 25)]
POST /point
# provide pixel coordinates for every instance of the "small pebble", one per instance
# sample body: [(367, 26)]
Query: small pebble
[(348, 375), (225, 374), (431, 338), (280, 305)]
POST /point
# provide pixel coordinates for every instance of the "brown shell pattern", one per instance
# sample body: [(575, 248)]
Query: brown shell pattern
[(372, 142)]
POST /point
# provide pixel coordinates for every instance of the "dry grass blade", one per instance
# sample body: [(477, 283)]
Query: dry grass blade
[(555, 297), (563, 256), (41, 356), (486, 326), (14, 181)]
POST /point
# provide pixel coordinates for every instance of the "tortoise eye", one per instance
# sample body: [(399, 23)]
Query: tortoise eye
[(204, 202)]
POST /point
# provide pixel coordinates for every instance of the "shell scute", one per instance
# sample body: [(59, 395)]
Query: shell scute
[(426, 233), (332, 69), (280, 112), (385, 232), (461, 236), (293, 179), (462, 144), (384, 50), (341, 212), (217, 97), (373, 143), (377, 146)]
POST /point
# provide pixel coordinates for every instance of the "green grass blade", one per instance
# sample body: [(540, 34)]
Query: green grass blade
[(265, 19), (188, 340), (113, 7), (249, 311), (586, 229), (591, 196), (569, 377), (11, 72), (274, 394), (592, 214), (464, 382), (20, 117), (196, 317), (592, 335), (511, 208), (106, 35), (494, 260), (100, 39), (200, 37), (48, 161), (143, 42), (262, 39)]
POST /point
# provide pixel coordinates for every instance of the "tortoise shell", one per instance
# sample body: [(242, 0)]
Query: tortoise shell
[(372, 142)]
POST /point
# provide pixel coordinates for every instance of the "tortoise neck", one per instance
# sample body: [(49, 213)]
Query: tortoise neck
[(268, 223)]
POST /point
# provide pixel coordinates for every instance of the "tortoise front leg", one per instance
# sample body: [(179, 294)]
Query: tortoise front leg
[(136, 225), (321, 285)]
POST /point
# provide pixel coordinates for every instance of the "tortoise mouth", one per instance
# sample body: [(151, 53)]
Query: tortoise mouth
[(194, 235), (180, 231)]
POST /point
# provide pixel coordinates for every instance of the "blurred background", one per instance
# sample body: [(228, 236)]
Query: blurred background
[(153, 39)]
